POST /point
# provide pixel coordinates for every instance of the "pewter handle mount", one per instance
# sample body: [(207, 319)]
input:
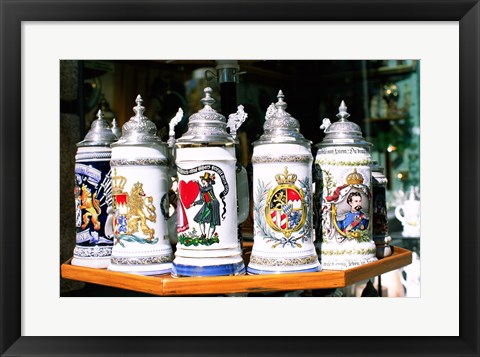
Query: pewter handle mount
[(173, 122), (325, 124), (236, 120)]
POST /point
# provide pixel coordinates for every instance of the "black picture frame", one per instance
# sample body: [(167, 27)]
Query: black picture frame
[(13, 12)]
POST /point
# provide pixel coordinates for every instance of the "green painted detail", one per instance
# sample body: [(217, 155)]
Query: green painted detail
[(192, 238)]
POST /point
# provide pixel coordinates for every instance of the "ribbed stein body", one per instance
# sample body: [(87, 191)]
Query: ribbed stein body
[(282, 194)]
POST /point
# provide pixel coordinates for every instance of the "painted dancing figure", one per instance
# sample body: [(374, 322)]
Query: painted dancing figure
[(209, 213)]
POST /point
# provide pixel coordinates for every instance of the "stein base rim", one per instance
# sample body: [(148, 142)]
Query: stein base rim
[(181, 270), (253, 271)]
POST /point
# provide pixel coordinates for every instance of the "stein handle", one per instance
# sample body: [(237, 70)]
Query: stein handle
[(235, 120), (242, 196), (398, 211)]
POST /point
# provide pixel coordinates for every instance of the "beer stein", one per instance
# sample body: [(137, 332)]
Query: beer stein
[(344, 160), (282, 178), (140, 183), (409, 214), (93, 201), (380, 219), (207, 198)]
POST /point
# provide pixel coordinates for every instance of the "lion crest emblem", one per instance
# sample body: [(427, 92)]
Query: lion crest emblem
[(91, 205), (134, 209)]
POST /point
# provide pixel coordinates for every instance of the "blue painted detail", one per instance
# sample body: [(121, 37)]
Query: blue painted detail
[(212, 270), (259, 272)]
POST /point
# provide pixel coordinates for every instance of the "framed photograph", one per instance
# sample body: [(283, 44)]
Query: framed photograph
[(55, 325)]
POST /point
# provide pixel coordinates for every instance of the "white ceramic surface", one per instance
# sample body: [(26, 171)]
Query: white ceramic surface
[(282, 198), (346, 231), (140, 183), (207, 208)]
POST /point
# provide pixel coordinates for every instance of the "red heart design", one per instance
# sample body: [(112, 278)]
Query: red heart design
[(188, 192)]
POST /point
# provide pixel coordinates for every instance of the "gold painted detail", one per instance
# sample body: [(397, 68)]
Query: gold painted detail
[(270, 205), (139, 162), (285, 210), (264, 159), (136, 215), (362, 251), (136, 207), (332, 162), (354, 178), (142, 260), (91, 205)]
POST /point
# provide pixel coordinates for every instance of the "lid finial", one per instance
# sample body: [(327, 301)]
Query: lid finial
[(342, 112), (280, 104), (100, 115), (208, 100), (139, 109)]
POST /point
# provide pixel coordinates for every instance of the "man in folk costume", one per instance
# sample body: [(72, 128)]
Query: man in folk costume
[(210, 211), (355, 219)]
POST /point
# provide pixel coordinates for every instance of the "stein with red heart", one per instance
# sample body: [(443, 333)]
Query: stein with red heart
[(207, 242)]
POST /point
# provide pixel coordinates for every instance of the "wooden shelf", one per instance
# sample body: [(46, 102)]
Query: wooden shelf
[(165, 285)]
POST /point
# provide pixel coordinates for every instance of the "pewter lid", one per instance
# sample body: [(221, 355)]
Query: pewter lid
[(207, 126), (280, 127), (99, 134), (342, 132), (116, 129), (139, 130)]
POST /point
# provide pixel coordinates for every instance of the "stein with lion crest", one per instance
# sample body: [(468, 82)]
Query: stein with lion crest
[(344, 162), (140, 184)]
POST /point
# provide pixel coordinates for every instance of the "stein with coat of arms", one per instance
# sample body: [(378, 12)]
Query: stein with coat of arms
[(207, 209), (93, 196), (344, 160), (282, 194), (140, 184)]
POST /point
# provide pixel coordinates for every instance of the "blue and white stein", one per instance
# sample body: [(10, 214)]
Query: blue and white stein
[(282, 193), (207, 212), (93, 196), (140, 184)]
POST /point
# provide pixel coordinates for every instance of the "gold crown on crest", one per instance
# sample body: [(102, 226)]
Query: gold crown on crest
[(354, 178), (118, 183), (286, 178)]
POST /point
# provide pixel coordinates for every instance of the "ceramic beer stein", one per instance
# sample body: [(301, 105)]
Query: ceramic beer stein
[(380, 219), (282, 178), (140, 183), (409, 214), (346, 204), (207, 197), (94, 238)]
